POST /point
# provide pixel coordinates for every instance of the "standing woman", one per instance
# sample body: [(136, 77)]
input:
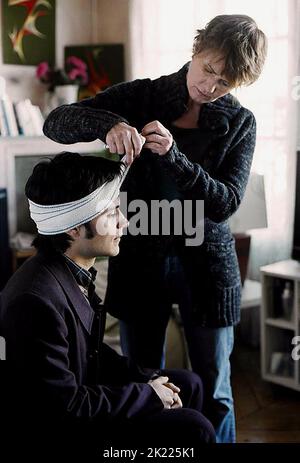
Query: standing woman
[(191, 140)]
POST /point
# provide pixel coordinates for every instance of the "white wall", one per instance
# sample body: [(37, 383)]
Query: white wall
[(77, 22), (112, 25)]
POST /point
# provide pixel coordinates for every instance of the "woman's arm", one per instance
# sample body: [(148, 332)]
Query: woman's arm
[(93, 118)]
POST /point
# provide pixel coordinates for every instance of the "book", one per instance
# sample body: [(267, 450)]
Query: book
[(20, 128), (10, 115), (25, 118), (3, 120), (37, 119)]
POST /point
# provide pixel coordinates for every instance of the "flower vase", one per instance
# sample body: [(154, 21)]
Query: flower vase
[(50, 103), (66, 94)]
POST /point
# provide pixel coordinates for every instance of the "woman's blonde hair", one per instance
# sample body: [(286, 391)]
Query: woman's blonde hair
[(239, 41)]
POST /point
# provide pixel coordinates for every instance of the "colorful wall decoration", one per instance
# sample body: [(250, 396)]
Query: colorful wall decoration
[(28, 31), (104, 66)]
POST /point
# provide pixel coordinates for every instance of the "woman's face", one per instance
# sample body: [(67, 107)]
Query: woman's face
[(205, 79)]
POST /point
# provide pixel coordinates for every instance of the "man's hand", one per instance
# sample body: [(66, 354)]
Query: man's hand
[(158, 139), (177, 400), (167, 392), (124, 139)]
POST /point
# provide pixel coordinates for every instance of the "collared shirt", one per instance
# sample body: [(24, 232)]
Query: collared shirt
[(84, 278)]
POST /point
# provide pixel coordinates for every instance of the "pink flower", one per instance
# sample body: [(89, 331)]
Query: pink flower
[(77, 62), (78, 73), (43, 70)]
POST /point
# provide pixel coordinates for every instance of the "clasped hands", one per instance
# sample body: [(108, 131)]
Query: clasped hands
[(167, 392), (125, 139)]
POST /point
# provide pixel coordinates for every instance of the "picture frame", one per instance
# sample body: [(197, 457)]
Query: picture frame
[(28, 32), (104, 66)]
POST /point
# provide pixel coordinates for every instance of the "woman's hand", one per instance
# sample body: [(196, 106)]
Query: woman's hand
[(124, 139), (158, 139)]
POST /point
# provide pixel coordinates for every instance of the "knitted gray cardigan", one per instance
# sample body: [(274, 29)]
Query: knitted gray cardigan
[(226, 152)]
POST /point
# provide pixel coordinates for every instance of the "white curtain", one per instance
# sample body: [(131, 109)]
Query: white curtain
[(161, 36)]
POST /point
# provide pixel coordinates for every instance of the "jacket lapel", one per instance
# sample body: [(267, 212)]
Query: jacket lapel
[(66, 280)]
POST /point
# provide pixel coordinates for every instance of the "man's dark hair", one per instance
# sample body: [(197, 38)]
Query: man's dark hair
[(65, 178)]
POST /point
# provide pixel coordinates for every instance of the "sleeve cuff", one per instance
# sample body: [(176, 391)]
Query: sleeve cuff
[(170, 156)]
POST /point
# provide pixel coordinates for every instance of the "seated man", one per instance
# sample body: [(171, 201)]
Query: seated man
[(62, 374)]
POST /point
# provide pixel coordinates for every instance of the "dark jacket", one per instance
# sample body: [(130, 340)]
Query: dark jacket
[(61, 368), (228, 133)]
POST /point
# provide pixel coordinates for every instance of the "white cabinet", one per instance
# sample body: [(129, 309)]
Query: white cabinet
[(17, 157), (280, 319)]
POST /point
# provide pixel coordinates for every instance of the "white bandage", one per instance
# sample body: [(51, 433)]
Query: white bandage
[(59, 218)]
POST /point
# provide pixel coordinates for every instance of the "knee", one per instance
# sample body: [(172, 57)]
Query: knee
[(193, 378), (198, 428), (206, 431), (186, 377), (195, 382)]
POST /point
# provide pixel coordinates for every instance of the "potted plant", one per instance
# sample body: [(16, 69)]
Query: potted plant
[(62, 84)]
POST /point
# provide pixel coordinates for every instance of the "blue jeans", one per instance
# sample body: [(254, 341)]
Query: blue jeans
[(143, 340)]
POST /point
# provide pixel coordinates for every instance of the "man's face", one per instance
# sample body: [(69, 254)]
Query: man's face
[(107, 230), (205, 79)]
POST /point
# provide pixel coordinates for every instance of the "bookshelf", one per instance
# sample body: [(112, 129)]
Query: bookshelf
[(280, 326), (18, 117)]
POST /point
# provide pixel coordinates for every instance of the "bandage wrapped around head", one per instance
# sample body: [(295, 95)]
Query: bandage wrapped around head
[(59, 218)]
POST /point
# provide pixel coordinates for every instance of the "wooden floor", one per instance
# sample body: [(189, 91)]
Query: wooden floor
[(265, 413)]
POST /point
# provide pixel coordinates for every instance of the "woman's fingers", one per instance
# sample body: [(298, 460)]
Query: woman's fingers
[(119, 144), (137, 142), (158, 139), (154, 138), (129, 151), (124, 139), (154, 126), (111, 146), (154, 147)]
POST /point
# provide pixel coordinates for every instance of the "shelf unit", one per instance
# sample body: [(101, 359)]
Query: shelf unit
[(278, 328)]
